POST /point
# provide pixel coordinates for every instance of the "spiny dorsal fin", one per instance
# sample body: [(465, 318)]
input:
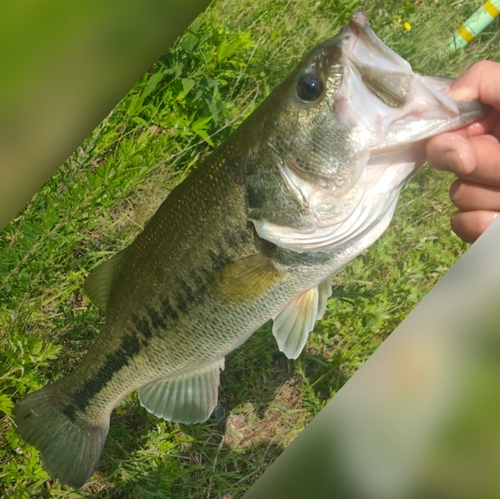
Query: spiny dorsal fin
[(98, 284), (188, 398), (245, 279), (293, 324)]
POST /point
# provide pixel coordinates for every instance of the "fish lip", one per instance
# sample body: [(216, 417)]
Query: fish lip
[(388, 75), (359, 24), (360, 27), (359, 19), (400, 94)]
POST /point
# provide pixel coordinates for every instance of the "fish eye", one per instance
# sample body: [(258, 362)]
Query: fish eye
[(309, 88)]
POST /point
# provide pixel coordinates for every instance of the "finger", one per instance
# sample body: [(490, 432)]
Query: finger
[(476, 159), (469, 196), (451, 152), (486, 150), (480, 82), (490, 124), (469, 225)]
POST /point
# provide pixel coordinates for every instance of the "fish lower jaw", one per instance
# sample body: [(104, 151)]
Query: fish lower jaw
[(361, 215), (364, 226)]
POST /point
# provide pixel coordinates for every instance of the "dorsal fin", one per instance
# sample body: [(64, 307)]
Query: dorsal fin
[(98, 284)]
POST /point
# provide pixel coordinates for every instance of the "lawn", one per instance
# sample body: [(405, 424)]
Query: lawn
[(98, 201)]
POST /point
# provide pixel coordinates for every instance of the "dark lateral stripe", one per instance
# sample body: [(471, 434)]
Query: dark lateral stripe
[(157, 321), (218, 259), (70, 412), (130, 346), (143, 326), (189, 292), (153, 322), (231, 238), (168, 310), (181, 304)]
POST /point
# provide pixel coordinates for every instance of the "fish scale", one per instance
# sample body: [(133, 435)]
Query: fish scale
[(303, 186)]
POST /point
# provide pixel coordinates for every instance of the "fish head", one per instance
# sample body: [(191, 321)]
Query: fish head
[(342, 133)]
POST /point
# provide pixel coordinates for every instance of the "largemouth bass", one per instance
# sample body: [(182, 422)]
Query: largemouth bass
[(303, 186)]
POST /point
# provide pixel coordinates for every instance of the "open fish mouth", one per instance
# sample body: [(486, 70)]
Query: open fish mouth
[(382, 97), (386, 74)]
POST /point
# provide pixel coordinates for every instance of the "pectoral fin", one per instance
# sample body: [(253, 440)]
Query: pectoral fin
[(245, 279), (98, 284), (189, 398), (325, 291), (294, 323)]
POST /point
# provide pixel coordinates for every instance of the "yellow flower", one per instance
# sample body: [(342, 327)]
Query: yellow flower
[(407, 26)]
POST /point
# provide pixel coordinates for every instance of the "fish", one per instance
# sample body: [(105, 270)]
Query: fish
[(304, 185)]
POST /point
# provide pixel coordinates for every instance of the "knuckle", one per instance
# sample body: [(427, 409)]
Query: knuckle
[(481, 67), (457, 192)]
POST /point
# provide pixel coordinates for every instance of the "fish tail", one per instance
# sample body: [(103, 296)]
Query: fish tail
[(69, 444)]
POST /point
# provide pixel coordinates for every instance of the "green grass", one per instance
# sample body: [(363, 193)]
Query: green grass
[(99, 200)]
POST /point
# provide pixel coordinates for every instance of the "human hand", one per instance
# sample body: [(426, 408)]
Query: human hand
[(473, 154)]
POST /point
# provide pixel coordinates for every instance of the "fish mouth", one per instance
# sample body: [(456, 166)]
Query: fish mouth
[(385, 73), (383, 98)]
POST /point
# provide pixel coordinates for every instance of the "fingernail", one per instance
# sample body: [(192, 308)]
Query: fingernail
[(451, 161), (460, 94), (458, 162)]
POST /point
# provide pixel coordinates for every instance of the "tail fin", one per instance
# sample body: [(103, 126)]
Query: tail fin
[(70, 446)]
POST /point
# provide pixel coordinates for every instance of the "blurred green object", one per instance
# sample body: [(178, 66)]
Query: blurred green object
[(64, 67), (475, 25)]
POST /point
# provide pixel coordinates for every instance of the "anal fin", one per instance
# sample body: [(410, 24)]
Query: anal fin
[(188, 398), (293, 324)]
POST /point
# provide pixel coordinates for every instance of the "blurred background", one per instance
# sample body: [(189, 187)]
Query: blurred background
[(64, 67)]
